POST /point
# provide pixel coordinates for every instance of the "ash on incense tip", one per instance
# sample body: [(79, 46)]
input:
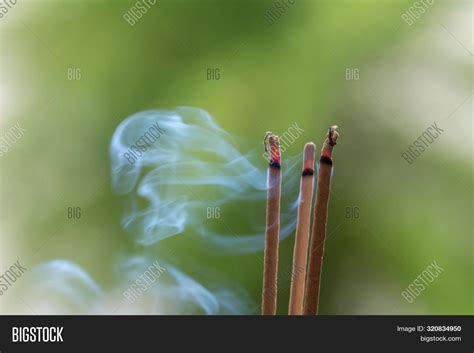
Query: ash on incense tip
[(308, 159), (332, 135), (331, 140), (272, 147)]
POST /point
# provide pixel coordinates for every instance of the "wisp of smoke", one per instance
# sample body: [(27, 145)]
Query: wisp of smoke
[(190, 169), (180, 174)]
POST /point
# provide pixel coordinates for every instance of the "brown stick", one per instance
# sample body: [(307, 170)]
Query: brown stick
[(300, 252), (272, 231), (311, 300)]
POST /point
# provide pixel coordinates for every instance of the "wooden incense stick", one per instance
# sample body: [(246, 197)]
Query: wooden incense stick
[(300, 252), (318, 234), (272, 231)]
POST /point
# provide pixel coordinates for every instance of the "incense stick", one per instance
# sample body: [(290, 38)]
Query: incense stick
[(300, 252), (311, 300), (272, 231)]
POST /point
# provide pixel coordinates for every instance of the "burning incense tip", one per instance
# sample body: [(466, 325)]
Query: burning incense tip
[(272, 147), (329, 143), (308, 159)]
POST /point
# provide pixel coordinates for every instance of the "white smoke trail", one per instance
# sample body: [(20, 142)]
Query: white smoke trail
[(171, 166), (192, 166)]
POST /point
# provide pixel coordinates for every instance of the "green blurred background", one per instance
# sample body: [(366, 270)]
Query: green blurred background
[(271, 76)]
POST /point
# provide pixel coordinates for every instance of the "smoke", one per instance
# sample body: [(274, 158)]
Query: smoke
[(191, 169), (55, 286), (181, 174)]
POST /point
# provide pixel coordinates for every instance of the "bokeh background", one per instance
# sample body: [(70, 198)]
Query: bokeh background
[(403, 78)]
